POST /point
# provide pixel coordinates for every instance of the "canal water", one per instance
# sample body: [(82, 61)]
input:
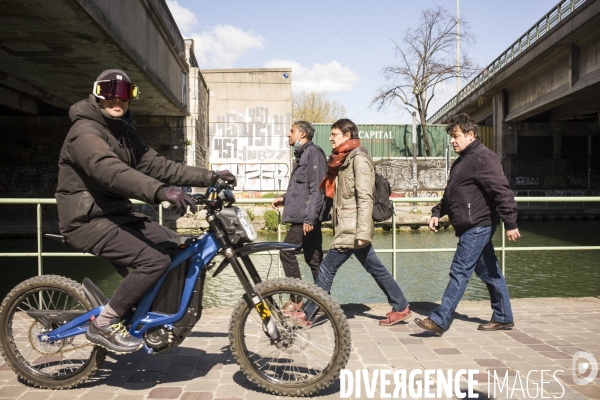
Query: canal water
[(422, 276)]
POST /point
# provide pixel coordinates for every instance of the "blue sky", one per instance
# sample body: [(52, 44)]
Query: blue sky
[(340, 47)]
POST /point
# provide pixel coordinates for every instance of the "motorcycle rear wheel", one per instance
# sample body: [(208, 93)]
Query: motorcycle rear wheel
[(63, 364), (314, 353)]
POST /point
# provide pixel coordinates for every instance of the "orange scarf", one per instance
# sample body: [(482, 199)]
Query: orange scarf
[(335, 162)]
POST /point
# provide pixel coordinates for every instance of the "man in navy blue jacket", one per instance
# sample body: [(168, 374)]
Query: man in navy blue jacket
[(304, 203), (477, 194)]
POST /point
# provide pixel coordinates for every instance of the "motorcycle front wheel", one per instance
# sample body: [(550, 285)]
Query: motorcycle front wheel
[(62, 364), (312, 352)]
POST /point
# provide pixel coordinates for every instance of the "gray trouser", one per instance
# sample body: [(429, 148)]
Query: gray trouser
[(135, 246)]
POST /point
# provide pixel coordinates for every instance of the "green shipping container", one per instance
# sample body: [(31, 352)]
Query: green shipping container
[(388, 141)]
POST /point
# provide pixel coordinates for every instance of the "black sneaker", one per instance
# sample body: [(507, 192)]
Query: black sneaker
[(114, 337)]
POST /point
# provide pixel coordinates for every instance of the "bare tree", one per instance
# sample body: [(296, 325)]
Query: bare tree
[(427, 58), (315, 107)]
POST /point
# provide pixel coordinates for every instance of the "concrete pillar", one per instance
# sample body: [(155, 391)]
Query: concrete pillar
[(196, 126), (505, 134), (191, 120), (573, 65), (556, 140)]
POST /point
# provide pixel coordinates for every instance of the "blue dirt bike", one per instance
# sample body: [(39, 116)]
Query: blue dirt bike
[(44, 319)]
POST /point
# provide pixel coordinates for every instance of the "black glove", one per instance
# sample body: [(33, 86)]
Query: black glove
[(176, 197), (227, 176)]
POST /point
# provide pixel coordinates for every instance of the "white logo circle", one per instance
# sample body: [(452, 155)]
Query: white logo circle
[(582, 367)]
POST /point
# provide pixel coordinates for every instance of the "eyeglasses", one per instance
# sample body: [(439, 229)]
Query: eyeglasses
[(335, 134), (109, 90)]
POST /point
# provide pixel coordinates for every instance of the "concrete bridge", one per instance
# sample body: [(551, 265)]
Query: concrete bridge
[(50, 54), (542, 98), (52, 51)]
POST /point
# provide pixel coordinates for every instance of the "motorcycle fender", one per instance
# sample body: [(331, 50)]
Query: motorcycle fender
[(255, 248), (264, 246)]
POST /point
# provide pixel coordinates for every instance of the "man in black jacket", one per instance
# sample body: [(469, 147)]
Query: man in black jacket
[(305, 205), (102, 165), (476, 194)]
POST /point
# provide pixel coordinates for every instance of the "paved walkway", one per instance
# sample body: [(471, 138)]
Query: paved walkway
[(548, 333)]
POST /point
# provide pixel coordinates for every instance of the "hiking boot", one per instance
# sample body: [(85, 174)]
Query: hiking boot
[(291, 306), (114, 337), (393, 317), (429, 325), (495, 326)]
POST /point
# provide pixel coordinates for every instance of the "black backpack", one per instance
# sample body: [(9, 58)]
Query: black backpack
[(383, 208)]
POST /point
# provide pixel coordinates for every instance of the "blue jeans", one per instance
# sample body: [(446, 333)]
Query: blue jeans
[(369, 260), (475, 252)]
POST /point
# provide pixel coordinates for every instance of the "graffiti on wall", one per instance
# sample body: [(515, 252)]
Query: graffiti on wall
[(556, 181), (269, 177), (431, 174), (581, 181), (527, 181), (254, 146), (252, 136), (18, 179)]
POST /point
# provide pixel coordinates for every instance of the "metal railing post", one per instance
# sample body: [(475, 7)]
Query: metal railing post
[(279, 240), (160, 214), (503, 249), (394, 243), (39, 239)]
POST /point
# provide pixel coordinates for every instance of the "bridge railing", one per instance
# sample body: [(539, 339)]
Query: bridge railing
[(542, 27), (394, 250)]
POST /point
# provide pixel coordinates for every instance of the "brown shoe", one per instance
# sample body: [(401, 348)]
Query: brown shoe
[(393, 317), (429, 325), (495, 326)]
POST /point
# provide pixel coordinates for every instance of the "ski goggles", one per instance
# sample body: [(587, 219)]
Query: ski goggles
[(108, 90)]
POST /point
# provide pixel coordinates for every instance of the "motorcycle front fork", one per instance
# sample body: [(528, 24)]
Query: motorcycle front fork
[(252, 297)]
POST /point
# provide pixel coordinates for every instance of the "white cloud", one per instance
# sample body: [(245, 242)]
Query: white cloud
[(219, 46), (223, 45), (329, 77), (185, 19)]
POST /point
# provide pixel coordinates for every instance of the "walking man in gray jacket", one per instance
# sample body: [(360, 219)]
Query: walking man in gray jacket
[(304, 202)]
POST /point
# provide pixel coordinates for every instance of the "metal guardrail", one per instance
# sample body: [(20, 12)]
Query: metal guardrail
[(394, 250), (543, 26), (39, 234)]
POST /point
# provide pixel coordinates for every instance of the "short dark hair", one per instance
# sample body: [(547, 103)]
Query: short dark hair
[(305, 127), (346, 126), (465, 123)]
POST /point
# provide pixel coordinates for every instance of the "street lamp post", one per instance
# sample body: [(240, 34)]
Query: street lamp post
[(414, 151), (457, 47)]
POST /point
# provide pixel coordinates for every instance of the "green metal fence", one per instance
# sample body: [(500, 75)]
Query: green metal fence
[(390, 141), (394, 250)]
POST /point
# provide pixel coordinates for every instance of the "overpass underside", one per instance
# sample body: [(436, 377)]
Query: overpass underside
[(544, 109), (50, 55)]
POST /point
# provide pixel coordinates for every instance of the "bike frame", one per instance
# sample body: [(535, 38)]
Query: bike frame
[(201, 252)]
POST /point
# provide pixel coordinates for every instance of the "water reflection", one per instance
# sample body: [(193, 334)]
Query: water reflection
[(422, 277)]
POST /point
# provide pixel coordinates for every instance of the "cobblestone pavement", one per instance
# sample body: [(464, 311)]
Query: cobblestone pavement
[(547, 334)]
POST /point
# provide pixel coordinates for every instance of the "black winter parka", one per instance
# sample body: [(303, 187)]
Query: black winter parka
[(102, 165), (477, 192)]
